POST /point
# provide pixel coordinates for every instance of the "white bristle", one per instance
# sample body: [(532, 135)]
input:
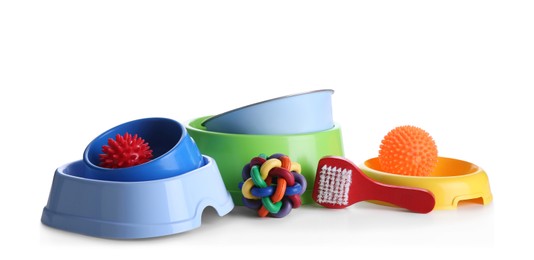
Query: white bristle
[(334, 185)]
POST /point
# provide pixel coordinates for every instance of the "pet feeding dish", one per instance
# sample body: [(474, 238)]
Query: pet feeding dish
[(160, 197), (233, 151), (451, 182), (293, 114)]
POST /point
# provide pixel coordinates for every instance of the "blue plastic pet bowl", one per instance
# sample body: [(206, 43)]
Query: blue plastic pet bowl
[(294, 114), (131, 210), (174, 151)]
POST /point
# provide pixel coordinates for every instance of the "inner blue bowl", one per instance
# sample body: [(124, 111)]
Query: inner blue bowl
[(174, 151)]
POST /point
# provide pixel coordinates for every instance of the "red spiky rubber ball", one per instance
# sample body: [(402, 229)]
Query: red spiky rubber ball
[(125, 151), (408, 150)]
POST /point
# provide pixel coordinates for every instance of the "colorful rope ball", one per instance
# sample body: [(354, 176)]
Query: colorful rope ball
[(272, 185)]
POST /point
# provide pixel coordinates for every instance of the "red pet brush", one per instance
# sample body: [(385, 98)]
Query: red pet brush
[(125, 151), (339, 184)]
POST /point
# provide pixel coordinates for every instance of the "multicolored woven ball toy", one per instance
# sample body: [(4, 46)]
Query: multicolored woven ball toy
[(272, 185)]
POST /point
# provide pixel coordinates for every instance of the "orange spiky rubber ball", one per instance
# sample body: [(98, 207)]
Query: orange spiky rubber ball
[(125, 151), (408, 150)]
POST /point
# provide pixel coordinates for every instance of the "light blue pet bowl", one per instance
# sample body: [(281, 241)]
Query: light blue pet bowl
[(131, 210), (163, 196), (294, 114)]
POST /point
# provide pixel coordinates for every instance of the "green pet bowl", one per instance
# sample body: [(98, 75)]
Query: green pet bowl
[(233, 151)]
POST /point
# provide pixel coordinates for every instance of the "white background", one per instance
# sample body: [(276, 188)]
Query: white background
[(461, 70)]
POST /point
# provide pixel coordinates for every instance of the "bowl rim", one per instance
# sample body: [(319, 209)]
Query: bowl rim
[(366, 167), (210, 118), (208, 162)]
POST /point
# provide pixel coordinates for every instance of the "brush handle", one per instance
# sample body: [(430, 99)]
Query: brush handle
[(414, 199)]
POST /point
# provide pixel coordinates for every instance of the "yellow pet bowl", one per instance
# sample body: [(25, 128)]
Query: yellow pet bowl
[(451, 181)]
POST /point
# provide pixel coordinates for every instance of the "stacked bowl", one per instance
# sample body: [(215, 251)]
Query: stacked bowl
[(300, 126), (163, 196)]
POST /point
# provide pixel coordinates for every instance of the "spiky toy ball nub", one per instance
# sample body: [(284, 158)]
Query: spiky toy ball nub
[(125, 151), (408, 150)]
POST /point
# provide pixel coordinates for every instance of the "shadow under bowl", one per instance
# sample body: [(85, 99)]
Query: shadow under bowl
[(451, 182), (233, 151), (132, 210)]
